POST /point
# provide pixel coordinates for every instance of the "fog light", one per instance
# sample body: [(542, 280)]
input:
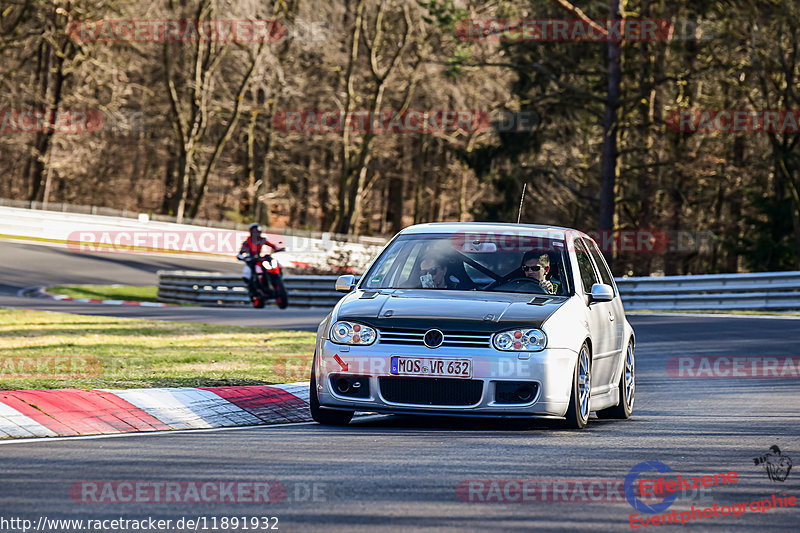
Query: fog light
[(350, 386), (525, 393), (343, 385), (515, 392)]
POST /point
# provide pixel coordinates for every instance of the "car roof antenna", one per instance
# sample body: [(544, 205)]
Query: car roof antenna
[(521, 199)]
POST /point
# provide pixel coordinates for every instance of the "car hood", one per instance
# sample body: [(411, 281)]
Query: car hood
[(459, 310)]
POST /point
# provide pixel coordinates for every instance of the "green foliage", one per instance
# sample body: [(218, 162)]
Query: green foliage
[(108, 292), (444, 14), (768, 241), (462, 56)]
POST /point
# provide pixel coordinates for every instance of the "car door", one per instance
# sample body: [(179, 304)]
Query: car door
[(601, 326), (618, 313)]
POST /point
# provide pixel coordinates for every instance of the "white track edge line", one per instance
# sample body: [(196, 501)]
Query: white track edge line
[(146, 433), (168, 432)]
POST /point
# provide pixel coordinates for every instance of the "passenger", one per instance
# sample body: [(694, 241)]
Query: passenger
[(433, 274), (536, 266)]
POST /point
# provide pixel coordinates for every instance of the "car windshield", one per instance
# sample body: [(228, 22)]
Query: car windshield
[(534, 263)]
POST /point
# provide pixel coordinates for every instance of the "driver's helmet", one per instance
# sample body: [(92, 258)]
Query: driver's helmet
[(254, 226)]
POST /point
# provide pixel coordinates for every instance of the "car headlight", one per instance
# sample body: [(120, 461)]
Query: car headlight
[(520, 340), (344, 332)]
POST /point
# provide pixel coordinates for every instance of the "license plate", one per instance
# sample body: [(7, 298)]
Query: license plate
[(431, 367)]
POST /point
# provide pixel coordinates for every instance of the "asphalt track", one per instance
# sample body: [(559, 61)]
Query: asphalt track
[(24, 266), (402, 473)]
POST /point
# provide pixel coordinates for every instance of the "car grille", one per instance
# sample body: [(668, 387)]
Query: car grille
[(431, 391), (413, 337)]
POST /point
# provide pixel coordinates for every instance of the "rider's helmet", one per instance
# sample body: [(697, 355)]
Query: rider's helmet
[(254, 226)]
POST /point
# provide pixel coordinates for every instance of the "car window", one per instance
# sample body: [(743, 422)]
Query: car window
[(588, 275), (476, 276), (413, 258), (605, 274), (485, 262), (379, 276)]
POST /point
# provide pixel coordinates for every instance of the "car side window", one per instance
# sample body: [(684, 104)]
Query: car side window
[(588, 275), (378, 278), (605, 274)]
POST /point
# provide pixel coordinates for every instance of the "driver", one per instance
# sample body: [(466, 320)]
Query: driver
[(536, 266)]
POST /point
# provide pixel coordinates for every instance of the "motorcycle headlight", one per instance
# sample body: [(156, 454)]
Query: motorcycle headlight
[(344, 332), (520, 340)]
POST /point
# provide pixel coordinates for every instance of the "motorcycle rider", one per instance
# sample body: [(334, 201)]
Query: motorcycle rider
[(251, 248)]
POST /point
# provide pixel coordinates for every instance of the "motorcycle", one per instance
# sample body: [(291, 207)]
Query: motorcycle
[(266, 280)]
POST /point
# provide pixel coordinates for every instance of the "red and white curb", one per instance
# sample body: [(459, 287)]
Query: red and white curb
[(69, 412), (105, 302), (40, 292)]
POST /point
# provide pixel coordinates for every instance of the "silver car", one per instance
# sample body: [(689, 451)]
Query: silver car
[(500, 320)]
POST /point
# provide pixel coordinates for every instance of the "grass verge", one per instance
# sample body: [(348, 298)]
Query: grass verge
[(45, 350), (108, 292)]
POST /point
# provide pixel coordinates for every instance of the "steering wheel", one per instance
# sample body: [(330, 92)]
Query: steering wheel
[(520, 283)]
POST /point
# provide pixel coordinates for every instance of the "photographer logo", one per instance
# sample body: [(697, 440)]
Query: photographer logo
[(775, 463)]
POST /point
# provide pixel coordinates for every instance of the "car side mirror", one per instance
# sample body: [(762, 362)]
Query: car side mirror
[(601, 293), (345, 283)]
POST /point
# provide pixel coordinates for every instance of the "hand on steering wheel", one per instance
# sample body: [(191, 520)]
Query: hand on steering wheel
[(532, 281)]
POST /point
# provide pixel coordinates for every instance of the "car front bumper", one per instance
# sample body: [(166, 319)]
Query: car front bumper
[(551, 370)]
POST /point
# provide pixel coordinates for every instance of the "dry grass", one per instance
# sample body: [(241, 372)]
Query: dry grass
[(53, 350)]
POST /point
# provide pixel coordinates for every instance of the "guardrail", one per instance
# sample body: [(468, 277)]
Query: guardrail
[(208, 288), (769, 291), (763, 291)]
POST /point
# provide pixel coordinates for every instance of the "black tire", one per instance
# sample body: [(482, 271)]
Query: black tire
[(281, 298), (627, 390), (327, 417), (259, 302), (577, 415)]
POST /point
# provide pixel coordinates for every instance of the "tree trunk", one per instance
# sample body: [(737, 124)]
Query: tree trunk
[(342, 221), (608, 165)]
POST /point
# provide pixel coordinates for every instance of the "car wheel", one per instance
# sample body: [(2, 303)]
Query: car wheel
[(578, 411), (328, 417), (627, 390)]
